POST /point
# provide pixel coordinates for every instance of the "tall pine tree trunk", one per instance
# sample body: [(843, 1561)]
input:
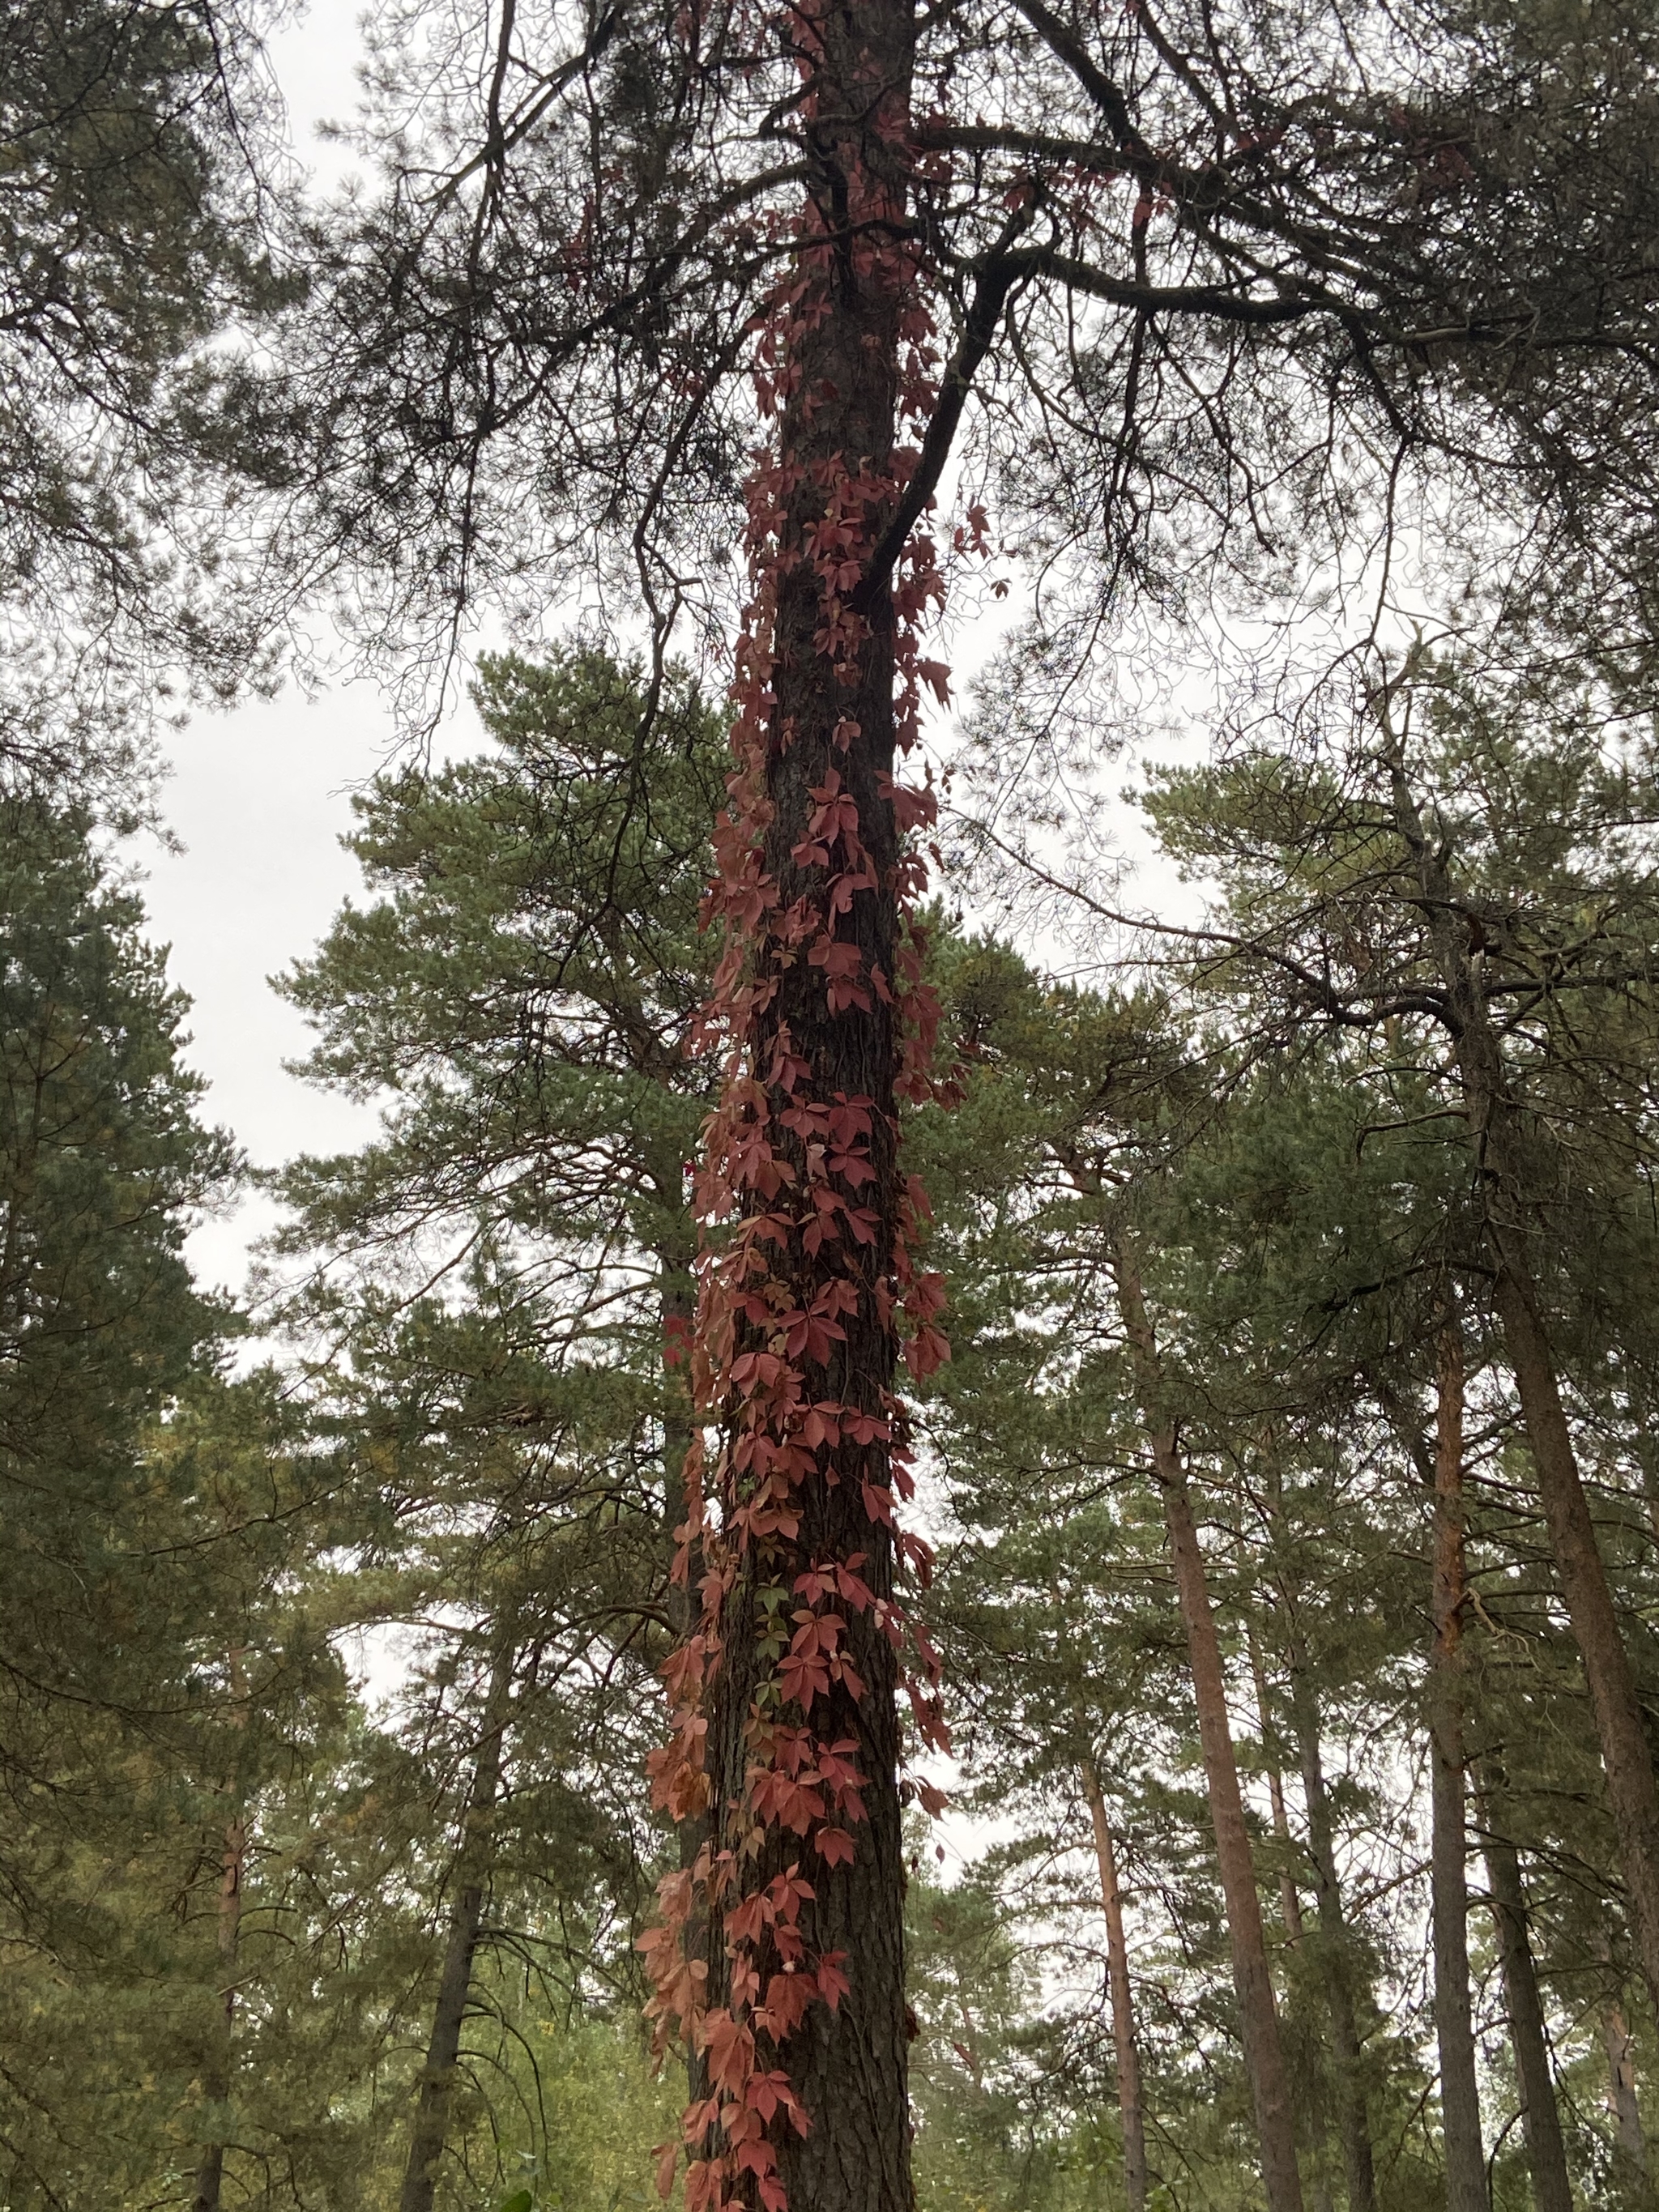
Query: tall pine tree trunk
[(221, 2073), (818, 1099), (1335, 1945), (1130, 2104), (1511, 1221), (1258, 2014), (1626, 1757), (1541, 2121), (1460, 2094), (471, 1885), (210, 2171)]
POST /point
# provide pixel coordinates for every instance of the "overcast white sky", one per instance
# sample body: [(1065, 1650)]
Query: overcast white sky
[(260, 797)]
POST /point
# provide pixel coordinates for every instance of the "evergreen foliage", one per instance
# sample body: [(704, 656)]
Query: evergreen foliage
[(1290, 1487), (138, 221), (248, 1896)]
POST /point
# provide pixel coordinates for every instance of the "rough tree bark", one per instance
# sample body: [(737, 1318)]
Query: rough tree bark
[(471, 1881), (1130, 2103), (1541, 2121), (219, 2075), (1257, 2011), (825, 1048), (1511, 1222), (1460, 2094)]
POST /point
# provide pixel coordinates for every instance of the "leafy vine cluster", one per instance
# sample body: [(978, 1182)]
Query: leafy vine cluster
[(792, 1192)]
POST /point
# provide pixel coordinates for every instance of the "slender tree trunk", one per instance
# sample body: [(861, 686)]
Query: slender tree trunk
[(1335, 1947), (221, 2073), (1258, 2015), (471, 1881), (1289, 1903), (1460, 2094), (1541, 2121), (1641, 1441), (210, 2171), (675, 1308), (1130, 2104), (676, 1304), (1511, 1213), (1336, 1944), (1626, 1759), (1621, 2091)]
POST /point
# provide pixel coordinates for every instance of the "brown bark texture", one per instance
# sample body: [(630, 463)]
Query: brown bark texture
[(1460, 2094), (1512, 1219), (1540, 2121), (849, 2067), (1130, 2103), (1258, 2013), (471, 1878)]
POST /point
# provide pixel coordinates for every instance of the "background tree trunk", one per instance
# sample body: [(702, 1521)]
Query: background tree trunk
[(1540, 2119), (221, 2073), (1621, 2091), (210, 2172), (1511, 1218), (1626, 1757), (1129, 2100), (471, 1878), (1289, 1903), (1460, 2093), (1258, 2014), (1336, 1960), (1335, 1945)]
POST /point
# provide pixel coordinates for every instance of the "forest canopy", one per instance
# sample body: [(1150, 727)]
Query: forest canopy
[(959, 1509)]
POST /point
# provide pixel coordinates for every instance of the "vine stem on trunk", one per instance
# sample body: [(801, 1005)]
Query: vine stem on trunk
[(779, 1959)]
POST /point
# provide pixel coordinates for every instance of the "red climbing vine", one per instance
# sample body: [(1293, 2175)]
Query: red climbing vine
[(783, 1739)]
